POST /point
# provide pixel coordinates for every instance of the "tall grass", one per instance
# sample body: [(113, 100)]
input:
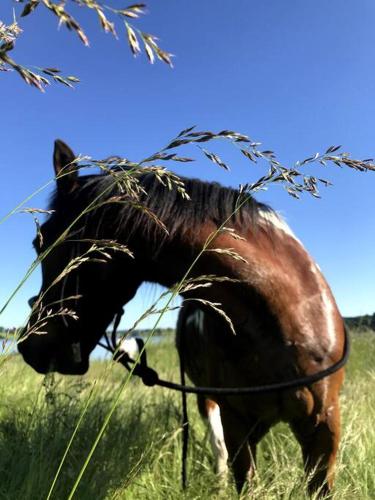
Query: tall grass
[(139, 455), (43, 424)]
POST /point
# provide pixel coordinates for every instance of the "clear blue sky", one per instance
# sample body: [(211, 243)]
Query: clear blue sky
[(298, 76)]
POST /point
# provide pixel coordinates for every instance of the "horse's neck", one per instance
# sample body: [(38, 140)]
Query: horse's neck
[(184, 256)]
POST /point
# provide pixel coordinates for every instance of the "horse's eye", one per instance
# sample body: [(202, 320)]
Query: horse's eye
[(32, 300)]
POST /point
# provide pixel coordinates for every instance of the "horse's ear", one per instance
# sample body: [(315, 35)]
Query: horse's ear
[(65, 168)]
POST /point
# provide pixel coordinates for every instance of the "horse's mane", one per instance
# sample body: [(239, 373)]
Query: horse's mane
[(209, 202)]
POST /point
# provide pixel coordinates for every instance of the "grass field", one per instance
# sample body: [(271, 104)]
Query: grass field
[(139, 455)]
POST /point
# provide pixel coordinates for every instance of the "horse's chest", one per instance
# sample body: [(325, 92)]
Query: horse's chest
[(215, 356)]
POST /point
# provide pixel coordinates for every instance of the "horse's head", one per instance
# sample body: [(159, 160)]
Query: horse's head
[(80, 291)]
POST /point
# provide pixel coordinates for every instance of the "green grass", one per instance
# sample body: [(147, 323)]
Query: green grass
[(139, 455)]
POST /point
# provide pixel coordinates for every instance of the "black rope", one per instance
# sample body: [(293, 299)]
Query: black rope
[(116, 324), (185, 417), (150, 378)]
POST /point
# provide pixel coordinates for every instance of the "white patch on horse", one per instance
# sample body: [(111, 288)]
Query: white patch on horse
[(329, 311), (278, 222), (217, 440), (329, 410), (130, 346), (196, 320), (328, 308)]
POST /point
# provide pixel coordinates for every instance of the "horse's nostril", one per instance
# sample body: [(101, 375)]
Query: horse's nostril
[(32, 300)]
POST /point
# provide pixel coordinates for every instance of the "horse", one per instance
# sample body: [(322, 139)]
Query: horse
[(283, 321)]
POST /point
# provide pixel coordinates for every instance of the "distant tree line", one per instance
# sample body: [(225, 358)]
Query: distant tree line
[(367, 321)]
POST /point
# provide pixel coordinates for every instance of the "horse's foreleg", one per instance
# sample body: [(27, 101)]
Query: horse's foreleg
[(217, 438), (319, 435), (210, 411), (236, 434)]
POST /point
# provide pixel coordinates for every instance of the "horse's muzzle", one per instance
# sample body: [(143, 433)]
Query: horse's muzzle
[(44, 356)]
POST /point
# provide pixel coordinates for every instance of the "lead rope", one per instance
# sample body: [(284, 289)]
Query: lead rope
[(150, 377), (185, 417)]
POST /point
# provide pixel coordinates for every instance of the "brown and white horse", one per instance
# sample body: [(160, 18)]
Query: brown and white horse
[(285, 318)]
